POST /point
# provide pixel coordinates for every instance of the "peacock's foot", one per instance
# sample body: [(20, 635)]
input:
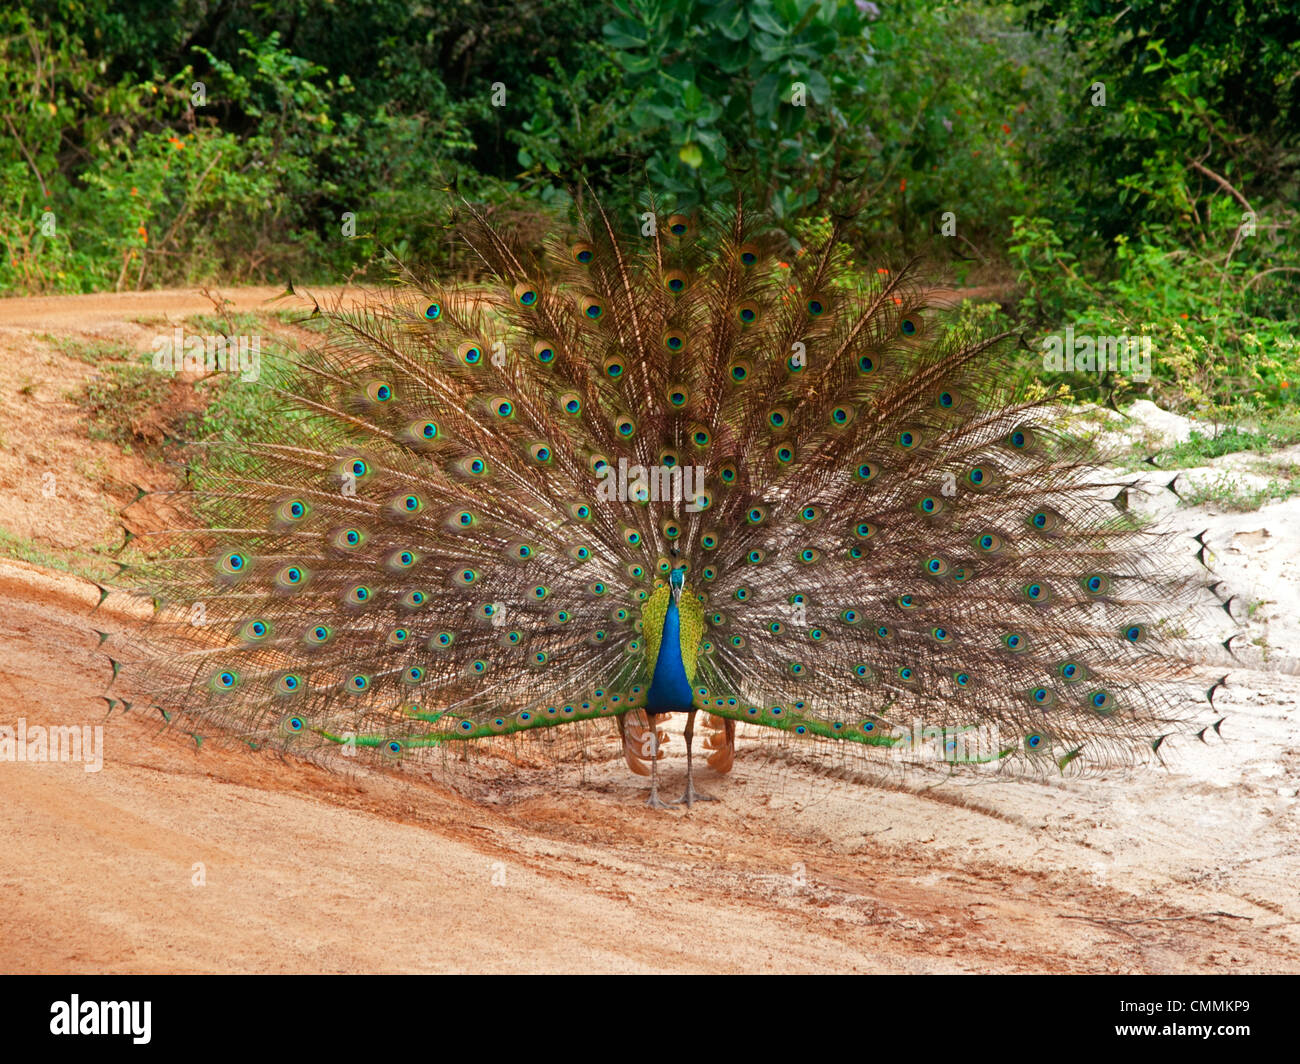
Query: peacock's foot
[(655, 802), (692, 796)]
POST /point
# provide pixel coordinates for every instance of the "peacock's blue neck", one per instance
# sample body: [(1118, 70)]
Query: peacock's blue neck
[(670, 690)]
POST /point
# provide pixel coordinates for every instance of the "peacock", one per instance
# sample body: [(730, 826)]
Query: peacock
[(686, 468)]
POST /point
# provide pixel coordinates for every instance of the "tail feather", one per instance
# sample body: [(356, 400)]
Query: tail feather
[(450, 532)]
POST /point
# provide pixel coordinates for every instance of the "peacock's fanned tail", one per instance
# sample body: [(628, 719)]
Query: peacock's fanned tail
[(474, 492)]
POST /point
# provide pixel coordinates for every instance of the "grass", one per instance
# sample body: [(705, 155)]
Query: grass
[(123, 401), (1229, 494), (1200, 448), (93, 352), (77, 563)]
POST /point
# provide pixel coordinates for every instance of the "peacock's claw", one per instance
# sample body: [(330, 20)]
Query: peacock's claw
[(655, 802), (692, 796)]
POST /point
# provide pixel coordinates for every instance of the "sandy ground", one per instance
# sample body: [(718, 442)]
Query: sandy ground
[(179, 859)]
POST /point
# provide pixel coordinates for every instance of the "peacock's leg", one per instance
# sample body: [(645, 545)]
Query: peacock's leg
[(692, 795), (654, 801)]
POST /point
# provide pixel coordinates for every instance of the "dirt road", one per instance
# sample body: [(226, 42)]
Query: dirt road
[(173, 858)]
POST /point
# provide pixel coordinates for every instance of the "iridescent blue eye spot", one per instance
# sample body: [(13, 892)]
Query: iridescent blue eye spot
[(815, 307), (472, 355), (677, 228), (594, 311), (908, 327), (505, 408), (866, 364), (466, 519), (906, 439), (320, 632), (467, 575), (226, 679), (1094, 583), (291, 683), (986, 542), (883, 631), (1040, 520), (411, 502), (359, 468), (1017, 439), (257, 628), (433, 311), (235, 562), (546, 354), (297, 509), (352, 536), (1035, 741), (934, 565), (904, 673), (429, 430), (1069, 671), (747, 315), (383, 393), (945, 399), (963, 679), (928, 505), (477, 466), (976, 476), (676, 284), (295, 723), (528, 298), (1034, 591), (572, 406), (444, 639), (1013, 641), (1132, 633), (674, 343), (293, 575), (1041, 694)]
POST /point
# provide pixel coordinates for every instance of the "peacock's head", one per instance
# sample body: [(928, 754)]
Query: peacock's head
[(677, 581)]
